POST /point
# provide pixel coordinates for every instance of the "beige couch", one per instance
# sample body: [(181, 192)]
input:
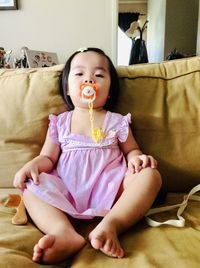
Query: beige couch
[(164, 100)]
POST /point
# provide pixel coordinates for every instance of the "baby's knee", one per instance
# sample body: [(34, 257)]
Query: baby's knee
[(155, 177)]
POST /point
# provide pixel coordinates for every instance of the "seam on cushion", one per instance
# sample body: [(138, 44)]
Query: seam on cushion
[(158, 77)]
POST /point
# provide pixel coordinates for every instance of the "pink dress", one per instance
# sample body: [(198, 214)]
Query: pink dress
[(85, 182)]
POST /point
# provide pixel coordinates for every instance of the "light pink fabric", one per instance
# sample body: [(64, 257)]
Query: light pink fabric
[(88, 174)]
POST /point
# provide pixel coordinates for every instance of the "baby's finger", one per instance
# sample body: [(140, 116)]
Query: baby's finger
[(35, 178), (15, 182), (145, 161), (23, 186), (153, 162), (137, 164), (131, 168), (19, 181)]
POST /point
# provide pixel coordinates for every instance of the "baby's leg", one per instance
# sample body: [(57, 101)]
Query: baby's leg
[(60, 240), (138, 192)]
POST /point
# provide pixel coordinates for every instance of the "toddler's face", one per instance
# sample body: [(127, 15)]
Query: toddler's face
[(89, 67)]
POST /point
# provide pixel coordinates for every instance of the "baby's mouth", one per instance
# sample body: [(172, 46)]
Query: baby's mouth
[(88, 93)]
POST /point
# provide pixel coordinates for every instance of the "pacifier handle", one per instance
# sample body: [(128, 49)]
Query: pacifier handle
[(88, 93)]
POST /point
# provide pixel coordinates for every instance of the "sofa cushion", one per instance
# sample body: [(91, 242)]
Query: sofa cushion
[(164, 100), (27, 96)]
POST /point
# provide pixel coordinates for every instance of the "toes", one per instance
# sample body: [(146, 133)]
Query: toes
[(37, 254), (37, 249), (112, 249), (108, 246), (46, 241), (96, 243), (119, 253), (106, 241), (37, 257)]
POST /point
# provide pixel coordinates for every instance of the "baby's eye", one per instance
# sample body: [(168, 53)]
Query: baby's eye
[(99, 75), (78, 74)]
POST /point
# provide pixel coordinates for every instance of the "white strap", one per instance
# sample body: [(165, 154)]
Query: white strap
[(180, 222)]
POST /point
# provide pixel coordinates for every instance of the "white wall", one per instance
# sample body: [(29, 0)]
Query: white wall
[(60, 26), (171, 25), (156, 30)]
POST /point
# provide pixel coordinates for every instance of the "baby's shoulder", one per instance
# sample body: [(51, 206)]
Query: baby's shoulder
[(61, 118), (119, 117)]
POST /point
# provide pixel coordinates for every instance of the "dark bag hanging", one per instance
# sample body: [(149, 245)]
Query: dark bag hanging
[(138, 52)]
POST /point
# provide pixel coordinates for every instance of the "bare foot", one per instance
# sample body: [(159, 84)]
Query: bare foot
[(53, 249), (104, 237)]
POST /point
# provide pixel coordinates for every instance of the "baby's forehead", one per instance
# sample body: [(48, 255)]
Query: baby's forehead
[(90, 58)]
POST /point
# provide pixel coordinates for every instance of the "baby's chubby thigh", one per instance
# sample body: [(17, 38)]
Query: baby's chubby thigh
[(134, 180)]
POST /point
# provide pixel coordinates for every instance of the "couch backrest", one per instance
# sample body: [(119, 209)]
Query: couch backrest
[(163, 98), (27, 96)]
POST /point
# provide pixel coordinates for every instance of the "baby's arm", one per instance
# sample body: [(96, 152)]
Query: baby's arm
[(135, 157), (41, 163)]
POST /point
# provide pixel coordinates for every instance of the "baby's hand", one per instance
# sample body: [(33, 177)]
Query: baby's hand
[(138, 162), (29, 171)]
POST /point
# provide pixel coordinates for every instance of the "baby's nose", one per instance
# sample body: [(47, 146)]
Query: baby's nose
[(89, 81)]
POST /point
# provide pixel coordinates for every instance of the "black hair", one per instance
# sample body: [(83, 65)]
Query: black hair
[(114, 85)]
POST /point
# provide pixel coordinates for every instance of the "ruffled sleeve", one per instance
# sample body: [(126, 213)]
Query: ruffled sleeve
[(123, 130), (53, 130)]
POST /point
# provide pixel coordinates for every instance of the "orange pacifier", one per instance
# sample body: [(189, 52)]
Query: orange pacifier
[(88, 93)]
